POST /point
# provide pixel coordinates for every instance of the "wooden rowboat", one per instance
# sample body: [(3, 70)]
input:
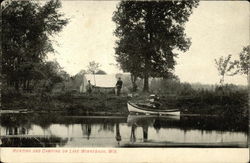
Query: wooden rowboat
[(135, 108)]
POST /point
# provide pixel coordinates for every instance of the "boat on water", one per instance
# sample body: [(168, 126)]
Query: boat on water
[(149, 110)]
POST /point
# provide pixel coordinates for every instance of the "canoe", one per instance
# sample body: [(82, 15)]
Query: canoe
[(135, 108)]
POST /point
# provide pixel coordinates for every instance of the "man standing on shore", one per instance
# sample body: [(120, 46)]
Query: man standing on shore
[(119, 86), (89, 87)]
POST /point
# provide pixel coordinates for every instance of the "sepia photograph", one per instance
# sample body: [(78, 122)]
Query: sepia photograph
[(103, 76)]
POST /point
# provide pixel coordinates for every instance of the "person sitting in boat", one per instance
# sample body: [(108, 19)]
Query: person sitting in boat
[(154, 101)]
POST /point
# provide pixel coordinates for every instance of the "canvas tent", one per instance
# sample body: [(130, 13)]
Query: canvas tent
[(107, 82), (101, 83)]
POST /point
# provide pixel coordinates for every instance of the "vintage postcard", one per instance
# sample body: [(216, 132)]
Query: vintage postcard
[(124, 81)]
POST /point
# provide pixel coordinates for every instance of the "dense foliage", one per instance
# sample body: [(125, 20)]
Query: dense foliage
[(26, 40), (244, 60), (148, 33)]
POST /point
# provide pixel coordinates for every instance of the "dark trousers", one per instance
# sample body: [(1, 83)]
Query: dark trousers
[(89, 91), (118, 91)]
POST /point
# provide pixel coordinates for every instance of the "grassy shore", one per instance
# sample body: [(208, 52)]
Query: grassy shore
[(71, 103), (203, 103)]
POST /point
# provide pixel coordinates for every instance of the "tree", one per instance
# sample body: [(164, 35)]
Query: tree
[(52, 71), (26, 39), (101, 72), (148, 33), (225, 67), (93, 67), (243, 63), (64, 75)]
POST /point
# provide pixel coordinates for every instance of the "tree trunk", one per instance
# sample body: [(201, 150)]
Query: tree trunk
[(222, 80), (147, 65), (149, 48), (146, 85), (94, 79), (24, 85), (28, 86), (133, 80), (134, 89), (146, 76), (16, 83)]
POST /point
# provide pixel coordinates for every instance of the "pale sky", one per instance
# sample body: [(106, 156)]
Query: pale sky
[(217, 28)]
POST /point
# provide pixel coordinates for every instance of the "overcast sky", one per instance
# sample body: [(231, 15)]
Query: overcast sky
[(216, 28)]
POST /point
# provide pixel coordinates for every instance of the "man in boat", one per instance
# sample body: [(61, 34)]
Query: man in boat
[(154, 101), (119, 86)]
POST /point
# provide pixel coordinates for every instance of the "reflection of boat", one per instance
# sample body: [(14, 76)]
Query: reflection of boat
[(149, 118), (135, 108), (140, 120), (145, 121)]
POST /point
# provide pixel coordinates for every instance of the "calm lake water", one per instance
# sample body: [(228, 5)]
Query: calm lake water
[(43, 130)]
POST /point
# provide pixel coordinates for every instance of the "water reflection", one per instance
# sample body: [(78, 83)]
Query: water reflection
[(132, 137), (118, 135), (140, 121), (29, 130), (16, 131), (144, 122), (86, 129), (20, 137), (171, 131), (106, 127)]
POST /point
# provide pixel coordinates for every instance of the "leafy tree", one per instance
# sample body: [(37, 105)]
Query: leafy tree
[(46, 76), (243, 63), (64, 75), (101, 72), (148, 33), (225, 67), (26, 39), (52, 71), (93, 67)]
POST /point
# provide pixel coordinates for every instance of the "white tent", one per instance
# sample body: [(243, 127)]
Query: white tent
[(103, 81)]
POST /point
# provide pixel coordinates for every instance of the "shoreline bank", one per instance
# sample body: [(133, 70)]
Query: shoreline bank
[(108, 104)]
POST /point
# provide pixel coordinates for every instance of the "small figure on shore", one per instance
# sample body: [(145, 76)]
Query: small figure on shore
[(89, 87), (119, 86)]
